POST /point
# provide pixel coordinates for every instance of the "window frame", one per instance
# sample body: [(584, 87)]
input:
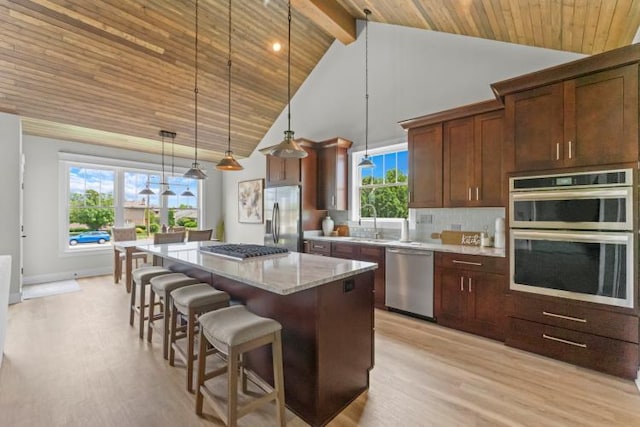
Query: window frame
[(356, 157), (120, 167)]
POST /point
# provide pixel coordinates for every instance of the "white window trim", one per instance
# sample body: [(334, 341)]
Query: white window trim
[(356, 156), (65, 159)]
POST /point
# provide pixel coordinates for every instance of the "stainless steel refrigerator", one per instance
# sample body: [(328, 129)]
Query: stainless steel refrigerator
[(283, 217)]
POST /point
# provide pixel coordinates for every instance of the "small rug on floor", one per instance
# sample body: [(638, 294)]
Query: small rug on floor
[(48, 289)]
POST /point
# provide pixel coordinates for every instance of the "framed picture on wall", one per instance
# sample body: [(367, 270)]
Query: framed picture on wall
[(250, 201)]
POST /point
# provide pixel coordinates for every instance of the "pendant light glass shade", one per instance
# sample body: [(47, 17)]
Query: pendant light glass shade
[(146, 191), (195, 172), (366, 162), (228, 163), (288, 148), (187, 193)]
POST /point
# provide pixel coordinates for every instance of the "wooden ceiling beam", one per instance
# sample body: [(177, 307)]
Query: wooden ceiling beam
[(330, 16)]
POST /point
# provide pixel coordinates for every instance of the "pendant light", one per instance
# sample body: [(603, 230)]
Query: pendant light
[(228, 163), (146, 191), (195, 171), (366, 160), (288, 148), (172, 135), (187, 193)]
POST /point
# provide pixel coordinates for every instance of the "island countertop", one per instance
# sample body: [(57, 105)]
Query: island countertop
[(281, 274)]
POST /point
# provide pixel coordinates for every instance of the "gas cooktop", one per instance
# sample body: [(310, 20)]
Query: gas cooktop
[(242, 251)]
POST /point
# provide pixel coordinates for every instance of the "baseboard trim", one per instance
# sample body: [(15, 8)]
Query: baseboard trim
[(15, 297), (65, 275)]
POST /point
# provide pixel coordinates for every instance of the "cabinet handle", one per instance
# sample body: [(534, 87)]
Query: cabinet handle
[(318, 246), (570, 149), (409, 195), (557, 151), (470, 285), (461, 284), (455, 261), (575, 344), (560, 316), (333, 200), (477, 193), (469, 193)]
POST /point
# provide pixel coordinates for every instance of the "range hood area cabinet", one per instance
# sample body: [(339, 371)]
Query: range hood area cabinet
[(456, 157), (573, 115)]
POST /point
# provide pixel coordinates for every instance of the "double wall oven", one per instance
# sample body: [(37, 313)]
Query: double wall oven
[(572, 236)]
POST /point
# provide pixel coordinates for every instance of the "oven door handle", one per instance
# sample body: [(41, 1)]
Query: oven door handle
[(605, 193)]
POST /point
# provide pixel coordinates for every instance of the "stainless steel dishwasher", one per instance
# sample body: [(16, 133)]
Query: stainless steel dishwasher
[(409, 281)]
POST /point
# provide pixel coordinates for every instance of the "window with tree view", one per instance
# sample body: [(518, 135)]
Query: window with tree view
[(102, 196), (384, 187)]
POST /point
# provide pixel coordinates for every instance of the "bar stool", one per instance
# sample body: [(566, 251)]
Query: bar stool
[(162, 286), (234, 331), (192, 301), (141, 277)]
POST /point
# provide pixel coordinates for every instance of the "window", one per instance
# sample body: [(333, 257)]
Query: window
[(102, 193), (384, 186)]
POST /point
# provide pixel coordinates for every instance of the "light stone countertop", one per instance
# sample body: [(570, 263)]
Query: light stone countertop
[(438, 247), (282, 274)]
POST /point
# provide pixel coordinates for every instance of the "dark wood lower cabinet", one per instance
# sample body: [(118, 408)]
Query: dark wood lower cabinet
[(600, 339), (467, 296)]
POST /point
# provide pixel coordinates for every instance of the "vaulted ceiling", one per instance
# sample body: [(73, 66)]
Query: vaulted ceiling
[(115, 72)]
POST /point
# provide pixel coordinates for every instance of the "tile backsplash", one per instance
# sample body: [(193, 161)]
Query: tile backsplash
[(424, 222)]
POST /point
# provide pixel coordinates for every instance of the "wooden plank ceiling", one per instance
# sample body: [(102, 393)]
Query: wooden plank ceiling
[(115, 72)]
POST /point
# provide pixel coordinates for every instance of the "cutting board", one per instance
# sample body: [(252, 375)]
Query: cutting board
[(449, 237)]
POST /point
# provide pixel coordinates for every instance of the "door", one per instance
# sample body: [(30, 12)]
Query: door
[(534, 126), (459, 163), (601, 118), (425, 167), (486, 303), (451, 297), (489, 169)]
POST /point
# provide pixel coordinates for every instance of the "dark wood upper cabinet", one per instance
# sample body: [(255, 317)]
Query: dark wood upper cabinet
[(589, 120), (333, 170), (473, 171), (281, 171), (425, 166)]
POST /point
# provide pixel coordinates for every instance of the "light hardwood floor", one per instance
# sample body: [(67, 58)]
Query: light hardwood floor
[(73, 360)]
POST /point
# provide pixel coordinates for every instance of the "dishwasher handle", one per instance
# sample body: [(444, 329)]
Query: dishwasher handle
[(409, 252)]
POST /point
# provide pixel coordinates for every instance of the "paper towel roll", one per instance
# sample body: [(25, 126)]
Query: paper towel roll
[(499, 238), (404, 231)]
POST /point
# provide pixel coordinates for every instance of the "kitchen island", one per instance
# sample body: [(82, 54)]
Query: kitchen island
[(325, 306)]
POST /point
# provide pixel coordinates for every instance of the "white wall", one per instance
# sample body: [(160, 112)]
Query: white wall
[(412, 72), (11, 145), (42, 258)]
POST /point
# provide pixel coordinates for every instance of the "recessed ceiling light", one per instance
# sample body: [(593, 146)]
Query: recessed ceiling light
[(276, 47)]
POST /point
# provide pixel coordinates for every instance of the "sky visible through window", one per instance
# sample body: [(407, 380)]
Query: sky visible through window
[(386, 162), (103, 181)]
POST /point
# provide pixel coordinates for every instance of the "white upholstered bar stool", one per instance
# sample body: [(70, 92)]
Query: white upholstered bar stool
[(162, 286), (234, 331), (191, 301), (142, 277)]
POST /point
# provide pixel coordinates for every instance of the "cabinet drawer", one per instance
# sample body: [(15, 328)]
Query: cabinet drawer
[(574, 317), (375, 253), (320, 248), (344, 250), (472, 262), (615, 357)]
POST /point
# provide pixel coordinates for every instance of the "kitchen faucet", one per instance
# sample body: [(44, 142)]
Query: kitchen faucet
[(376, 235)]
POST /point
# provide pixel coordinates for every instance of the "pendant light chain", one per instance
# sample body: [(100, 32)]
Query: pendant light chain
[(163, 181), (173, 140), (229, 65), (366, 83), (289, 72), (195, 91)]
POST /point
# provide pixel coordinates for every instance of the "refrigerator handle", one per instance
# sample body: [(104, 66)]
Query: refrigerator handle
[(273, 222), (276, 228)]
